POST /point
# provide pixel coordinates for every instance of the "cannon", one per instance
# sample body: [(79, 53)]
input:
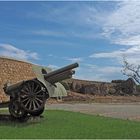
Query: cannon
[(29, 96)]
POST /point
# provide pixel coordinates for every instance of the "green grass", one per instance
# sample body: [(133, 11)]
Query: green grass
[(64, 124)]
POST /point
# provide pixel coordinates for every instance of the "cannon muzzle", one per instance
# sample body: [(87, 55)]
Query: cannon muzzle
[(61, 74)]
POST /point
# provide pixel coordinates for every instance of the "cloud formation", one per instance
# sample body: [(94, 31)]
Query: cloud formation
[(98, 73), (72, 16), (75, 59), (53, 66), (48, 33), (82, 28), (122, 28), (11, 51), (123, 21), (132, 54)]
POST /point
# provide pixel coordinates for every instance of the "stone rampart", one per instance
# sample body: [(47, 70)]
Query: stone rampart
[(116, 87), (12, 71)]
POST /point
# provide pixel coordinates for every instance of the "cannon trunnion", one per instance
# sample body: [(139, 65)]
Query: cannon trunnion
[(29, 97)]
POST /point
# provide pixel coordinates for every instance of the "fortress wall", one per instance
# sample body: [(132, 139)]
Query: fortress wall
[(118, 87), (91, 87), (12, 71)]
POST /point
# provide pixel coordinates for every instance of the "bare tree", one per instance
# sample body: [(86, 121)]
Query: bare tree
[(131, 70)]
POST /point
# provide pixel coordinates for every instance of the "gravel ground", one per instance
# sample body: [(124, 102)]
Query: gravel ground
[(130, 111)]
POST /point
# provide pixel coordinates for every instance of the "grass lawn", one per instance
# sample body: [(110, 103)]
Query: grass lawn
[(64, 124)]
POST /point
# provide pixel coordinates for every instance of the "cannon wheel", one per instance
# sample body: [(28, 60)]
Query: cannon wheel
[(37, 113), (33, 96), (16, 111)]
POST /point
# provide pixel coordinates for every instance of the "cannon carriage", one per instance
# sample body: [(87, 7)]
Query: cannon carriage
[(29, 96)]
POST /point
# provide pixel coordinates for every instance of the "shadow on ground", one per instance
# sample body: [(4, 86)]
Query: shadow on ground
[(8, 120)]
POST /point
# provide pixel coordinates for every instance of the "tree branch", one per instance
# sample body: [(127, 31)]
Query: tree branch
[(131, 70)]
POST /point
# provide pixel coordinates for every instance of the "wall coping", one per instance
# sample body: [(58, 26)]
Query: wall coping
[(81, 80), (14, 59), (20, 60)]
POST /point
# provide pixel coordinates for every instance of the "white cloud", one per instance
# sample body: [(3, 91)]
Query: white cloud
[(122, 27), (114, 54), (124, 21), (75, 59), (55, 43), (132, 54), (72, 16), (72, 12), (129, 41), (118, 19), (11, 51), (53, 66), (48, 33), (110, 70), (98, 73), (84, 34), (50, 55)]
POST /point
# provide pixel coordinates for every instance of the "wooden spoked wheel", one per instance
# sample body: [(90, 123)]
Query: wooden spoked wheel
[(33, 96), (15, 110)]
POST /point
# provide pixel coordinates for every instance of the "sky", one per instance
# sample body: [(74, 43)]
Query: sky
[(96, 34)]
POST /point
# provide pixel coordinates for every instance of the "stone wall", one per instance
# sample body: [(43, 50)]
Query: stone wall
[(13, 71), (116, 87)]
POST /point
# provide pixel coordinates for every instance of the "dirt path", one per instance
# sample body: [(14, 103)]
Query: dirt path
[(129, 111)]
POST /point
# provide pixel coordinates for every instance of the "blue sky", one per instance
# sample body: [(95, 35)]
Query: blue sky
[(96, 34)]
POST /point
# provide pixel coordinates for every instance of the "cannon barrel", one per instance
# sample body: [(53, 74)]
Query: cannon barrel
[(8, 89), (60, 74), (61, 70)]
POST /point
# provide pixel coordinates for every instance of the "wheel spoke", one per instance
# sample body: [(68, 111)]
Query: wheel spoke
[(23, 91), (37, 104), (32, 86), (40, 96), (30, 105), (37, 86), (27, 103), (29, 87), (24, 96), (38, 92), (34, 106), (39, 100), (24, 99)]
